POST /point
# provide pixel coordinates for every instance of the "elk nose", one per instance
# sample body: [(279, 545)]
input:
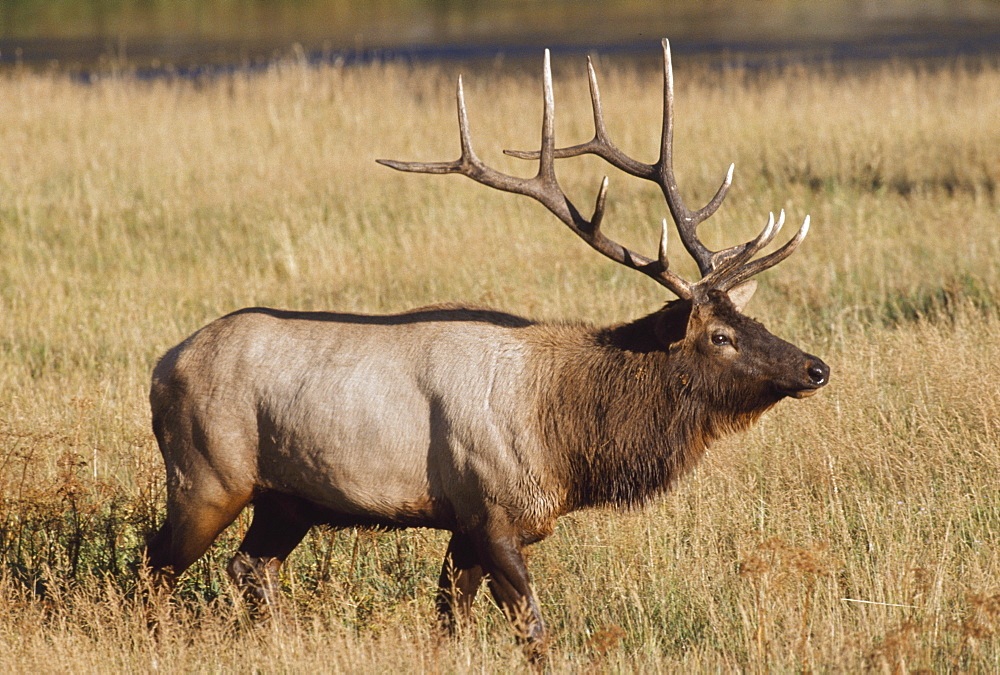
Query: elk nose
[(818, 373)]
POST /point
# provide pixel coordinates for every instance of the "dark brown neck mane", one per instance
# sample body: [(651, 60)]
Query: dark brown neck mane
[(626, 418)]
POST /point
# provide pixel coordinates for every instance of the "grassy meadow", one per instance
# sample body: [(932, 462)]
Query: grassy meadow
[(856, 529)]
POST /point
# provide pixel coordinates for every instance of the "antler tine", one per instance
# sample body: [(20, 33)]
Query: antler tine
[(460, 165), (663, 244), (754, 268), (765, 237), (600, 144), (667, 274), (546, 156), (728, 260)]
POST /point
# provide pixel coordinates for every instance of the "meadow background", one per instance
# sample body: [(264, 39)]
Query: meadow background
[(853, 530)]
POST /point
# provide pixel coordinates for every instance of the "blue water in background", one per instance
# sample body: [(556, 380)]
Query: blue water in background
[(160, 38)]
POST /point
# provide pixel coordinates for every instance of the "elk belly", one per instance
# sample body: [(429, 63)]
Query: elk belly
[(354, 440)]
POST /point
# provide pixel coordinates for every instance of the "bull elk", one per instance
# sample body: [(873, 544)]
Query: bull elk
[(466, 419)]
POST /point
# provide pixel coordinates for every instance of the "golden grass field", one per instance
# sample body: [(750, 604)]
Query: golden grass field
[(857, 529)]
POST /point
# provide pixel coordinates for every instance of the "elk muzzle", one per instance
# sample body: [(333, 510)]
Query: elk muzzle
[(815, 375)]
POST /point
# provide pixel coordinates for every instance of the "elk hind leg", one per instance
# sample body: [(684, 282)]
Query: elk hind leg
[(195, 517), (194, 520)]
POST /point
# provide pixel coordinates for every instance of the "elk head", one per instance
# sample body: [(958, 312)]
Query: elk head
[(741, 367), (745, 364)]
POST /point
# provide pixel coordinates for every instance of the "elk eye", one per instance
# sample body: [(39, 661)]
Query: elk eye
[(720, 339)]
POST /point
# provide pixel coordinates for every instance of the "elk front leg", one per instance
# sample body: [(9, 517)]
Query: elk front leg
[(461, 575), (500, 553), (279, 524)]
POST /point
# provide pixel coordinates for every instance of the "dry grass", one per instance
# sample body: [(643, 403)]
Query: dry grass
[(853, 530)]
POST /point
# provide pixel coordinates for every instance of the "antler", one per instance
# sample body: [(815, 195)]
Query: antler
[(544, 188), (722, 269)]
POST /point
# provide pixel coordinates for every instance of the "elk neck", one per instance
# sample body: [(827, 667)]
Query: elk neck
[(623, 418)]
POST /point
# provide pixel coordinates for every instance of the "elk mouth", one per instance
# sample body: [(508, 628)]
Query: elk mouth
[(800, 391)]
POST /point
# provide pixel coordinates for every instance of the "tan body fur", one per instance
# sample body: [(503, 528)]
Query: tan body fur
[(405, 420)]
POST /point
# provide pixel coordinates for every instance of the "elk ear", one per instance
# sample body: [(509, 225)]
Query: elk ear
[(740, 295), (672, 322)]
